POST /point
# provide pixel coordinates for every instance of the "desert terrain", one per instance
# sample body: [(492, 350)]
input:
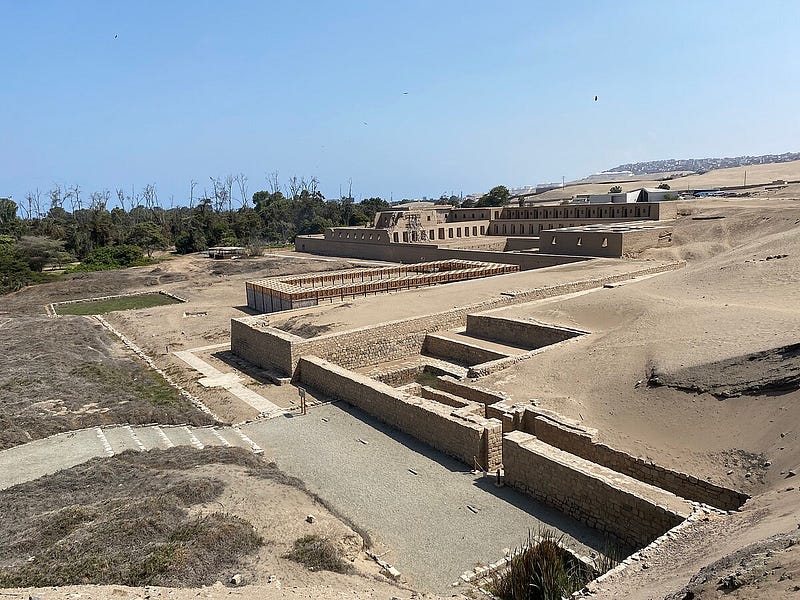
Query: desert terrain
[(696, 369)]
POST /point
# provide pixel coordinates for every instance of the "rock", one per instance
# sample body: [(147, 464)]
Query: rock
[(310, 518), (767, 464), (730, 471), (748, 474), (236, 579), (791, 473)]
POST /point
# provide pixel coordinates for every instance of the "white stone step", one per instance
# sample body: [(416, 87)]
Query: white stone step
[(120, 439)]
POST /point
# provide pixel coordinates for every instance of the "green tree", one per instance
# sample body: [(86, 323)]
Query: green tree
[(497, 196), (149, 237), (617, 189), (663, 186), (8, 216)]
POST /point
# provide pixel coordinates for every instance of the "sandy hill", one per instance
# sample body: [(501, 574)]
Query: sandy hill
[(756, 174)]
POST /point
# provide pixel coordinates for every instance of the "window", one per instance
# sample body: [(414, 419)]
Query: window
[(605, 243), (441, 233), (432, 234), (513, 229), (482, 230), (580, 241), (474, 231), (458, 231), (396, 237), (429, 217), (553, 241), (405, 236), (504, 229), (450, 232)]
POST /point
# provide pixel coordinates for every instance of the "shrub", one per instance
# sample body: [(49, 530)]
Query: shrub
[(106, 258), (319, 553), (541, 570)]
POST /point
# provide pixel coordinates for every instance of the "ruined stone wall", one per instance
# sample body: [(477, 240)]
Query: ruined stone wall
[(518, 332), (268, 348), (628, 510), (582, 443), (458, 351), (463, 436)]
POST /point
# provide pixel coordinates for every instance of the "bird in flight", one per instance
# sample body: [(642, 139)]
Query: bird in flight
[(595, 98), (116, 35)]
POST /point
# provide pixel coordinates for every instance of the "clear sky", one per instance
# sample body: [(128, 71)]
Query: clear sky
[(407, 98)]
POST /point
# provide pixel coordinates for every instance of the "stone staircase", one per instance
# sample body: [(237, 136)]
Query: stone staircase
[(65, 450)]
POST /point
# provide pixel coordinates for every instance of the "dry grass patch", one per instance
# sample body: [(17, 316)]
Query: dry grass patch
[(126, 520)]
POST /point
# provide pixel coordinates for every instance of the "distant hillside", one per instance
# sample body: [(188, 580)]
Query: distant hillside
[(701, 165)]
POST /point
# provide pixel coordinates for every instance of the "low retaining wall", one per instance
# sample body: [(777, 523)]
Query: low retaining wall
[(524, 333), (626, 509), (465, 437), (458, 351), (582, 443)]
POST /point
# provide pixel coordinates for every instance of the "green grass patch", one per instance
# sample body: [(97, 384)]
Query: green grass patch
[(143, 385), (100, 307)]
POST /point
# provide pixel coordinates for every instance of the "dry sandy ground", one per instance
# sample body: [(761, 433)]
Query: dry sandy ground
[(756, 174)]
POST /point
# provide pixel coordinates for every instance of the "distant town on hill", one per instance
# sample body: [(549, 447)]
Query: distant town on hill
[(703, 164)]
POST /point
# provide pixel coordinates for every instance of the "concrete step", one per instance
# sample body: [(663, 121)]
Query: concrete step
[(120, 439), (153, 438), (499, 347), (208, 436)]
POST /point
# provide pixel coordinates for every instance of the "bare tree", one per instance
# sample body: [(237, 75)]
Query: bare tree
[(56, 196), (229, 191), (192, 185), (75, 195), (295, 186), (241, 183), (150, 196), (98, 201), (273, 183)]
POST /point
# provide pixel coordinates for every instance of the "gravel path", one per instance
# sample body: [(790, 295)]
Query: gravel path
[(422, 517)]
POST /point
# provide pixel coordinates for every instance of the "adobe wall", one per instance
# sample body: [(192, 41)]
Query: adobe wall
[(628, 510), (566, 242), (410, 253), (459, 351), (518, 332), (582, 443), (265, 347), (384, 342), (465, 437)]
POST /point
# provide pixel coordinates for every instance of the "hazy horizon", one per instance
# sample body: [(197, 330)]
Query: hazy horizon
[(406, 100)]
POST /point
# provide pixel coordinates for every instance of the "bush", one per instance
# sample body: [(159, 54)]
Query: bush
[(319, 553), (542, 570), (617, 189), (106, 258)]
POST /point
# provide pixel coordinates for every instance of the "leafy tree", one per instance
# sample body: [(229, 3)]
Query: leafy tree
[(149, 237), (8, 216), (38, 252), (617, 189), (497, 196), (663, 186)]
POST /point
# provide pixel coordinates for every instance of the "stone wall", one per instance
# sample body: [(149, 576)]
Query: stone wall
[(459, 351), (582, 443), (412, 253), (265, 347), (464, 436), (630, 511), (523, 333)]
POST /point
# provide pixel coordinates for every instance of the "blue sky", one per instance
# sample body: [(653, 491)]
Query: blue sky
[(497, 93)]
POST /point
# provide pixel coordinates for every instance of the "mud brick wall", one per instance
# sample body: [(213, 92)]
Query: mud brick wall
[(267, 348), (583, 444), (465, 437), (459, 351), (470, 392), (625, 509), (518, 332)]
